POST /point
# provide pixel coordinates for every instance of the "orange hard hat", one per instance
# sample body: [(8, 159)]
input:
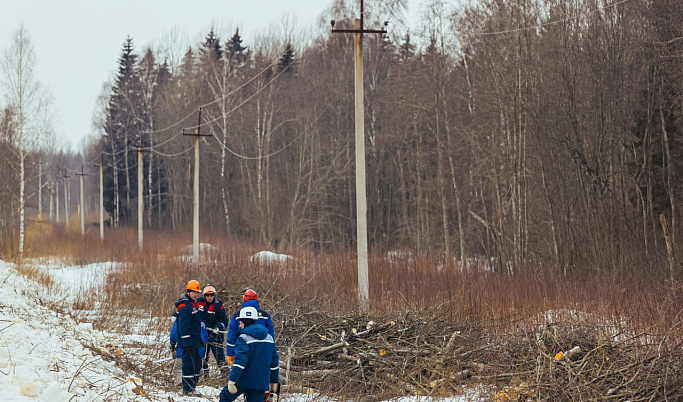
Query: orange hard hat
[(193, 286), (250, 295), (209, 290)]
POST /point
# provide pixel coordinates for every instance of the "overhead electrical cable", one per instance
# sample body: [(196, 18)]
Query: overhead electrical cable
[(165, 141), (231, 110), (172, 155), (553, 22), (153, 148), (270, 154), (545, 24), (248, 99), (113, 154), (214, 101)]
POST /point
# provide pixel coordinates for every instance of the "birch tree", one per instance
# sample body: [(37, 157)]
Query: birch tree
[(29, 102)]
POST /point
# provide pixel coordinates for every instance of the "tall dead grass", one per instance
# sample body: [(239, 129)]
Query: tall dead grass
[(37, 275), (498, 312), (155, 277)]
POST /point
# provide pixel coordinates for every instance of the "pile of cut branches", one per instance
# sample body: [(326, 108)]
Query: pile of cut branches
[(512, 358)]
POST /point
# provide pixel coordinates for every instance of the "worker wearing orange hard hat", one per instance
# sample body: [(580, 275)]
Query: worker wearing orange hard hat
[(189, 325)]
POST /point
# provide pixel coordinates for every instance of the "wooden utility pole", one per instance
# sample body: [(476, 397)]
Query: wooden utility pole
[(141, 187), (66, 199), (195, 199), (101, 166), (82, 206), (361, 202)]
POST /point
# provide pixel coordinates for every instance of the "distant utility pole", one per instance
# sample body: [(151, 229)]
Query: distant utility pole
[(361, 202), (40, 190), (141, 198), (57, 198), (66, 198), (82, 206), (101, 166), (52, 199), (195, 200)]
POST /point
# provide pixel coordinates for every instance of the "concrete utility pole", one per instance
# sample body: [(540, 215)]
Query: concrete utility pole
[(361, 202), (141, 198), (57, 199), (195, 199), (40, 190), (101, 166), (52, 199), (82, 206), (66, 199)]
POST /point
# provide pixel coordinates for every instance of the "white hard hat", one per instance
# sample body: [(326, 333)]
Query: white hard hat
[(248, 313)]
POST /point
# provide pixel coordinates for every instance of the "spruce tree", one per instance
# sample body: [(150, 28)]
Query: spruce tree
[(407, 50), (236, 53), (211, 50), (121, 132), (286, 60)]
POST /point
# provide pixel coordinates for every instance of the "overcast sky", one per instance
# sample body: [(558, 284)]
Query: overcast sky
[(77, 43)]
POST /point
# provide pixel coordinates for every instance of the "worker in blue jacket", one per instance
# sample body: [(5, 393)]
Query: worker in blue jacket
[(178, 352), (256, 366), (189, 336), (250, 299), (213, 315)]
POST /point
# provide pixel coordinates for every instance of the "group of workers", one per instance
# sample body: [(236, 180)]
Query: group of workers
[(250, 355)]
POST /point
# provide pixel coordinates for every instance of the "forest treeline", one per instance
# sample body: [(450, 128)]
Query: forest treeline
[(529, 132)]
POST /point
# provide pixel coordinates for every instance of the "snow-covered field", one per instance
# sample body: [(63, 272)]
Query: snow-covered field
[(46, 351)]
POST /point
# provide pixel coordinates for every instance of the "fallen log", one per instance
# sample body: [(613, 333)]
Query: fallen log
[(322, 350)]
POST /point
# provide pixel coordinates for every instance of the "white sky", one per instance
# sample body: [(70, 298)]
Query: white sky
[(77, 43)]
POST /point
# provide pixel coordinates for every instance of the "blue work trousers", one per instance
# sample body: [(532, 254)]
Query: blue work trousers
[(251, 395), (192, 366), (215, 346)]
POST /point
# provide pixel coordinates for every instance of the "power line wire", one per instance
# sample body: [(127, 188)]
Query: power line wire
[(249, 98), (172, 155), (491, 33), (270, 154), (552, 22), (216, 100), (166, 141), (153, 148), (231, 110)]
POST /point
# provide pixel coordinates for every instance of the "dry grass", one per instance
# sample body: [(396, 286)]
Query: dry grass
[(36, 274), (501, 312), (328, 281)]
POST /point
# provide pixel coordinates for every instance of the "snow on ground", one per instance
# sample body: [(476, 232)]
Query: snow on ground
[(41, 355), (73, 280), (264, 257), (45, 353)]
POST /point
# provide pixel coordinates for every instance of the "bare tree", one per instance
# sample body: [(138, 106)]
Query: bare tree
[(31, 105)]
